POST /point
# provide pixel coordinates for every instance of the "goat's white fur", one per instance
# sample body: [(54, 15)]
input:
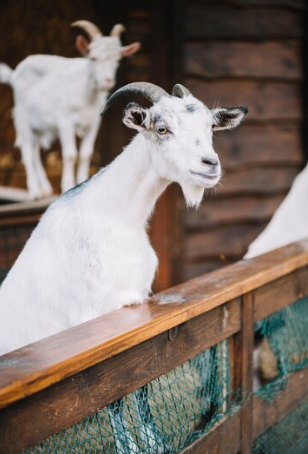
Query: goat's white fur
[(57, 97), (90, 253), (290, 221)]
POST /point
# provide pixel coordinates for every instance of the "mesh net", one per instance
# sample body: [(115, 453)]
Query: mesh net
[(283, 350), (162, 417), (284, 346), (289, 436)]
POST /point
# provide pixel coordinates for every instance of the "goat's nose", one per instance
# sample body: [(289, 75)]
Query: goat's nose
[(109, 81), (212, 162)]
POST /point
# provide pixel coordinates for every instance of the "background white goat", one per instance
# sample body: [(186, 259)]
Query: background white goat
[(57, 97), (90, 253), (290, 221), (289, 224)]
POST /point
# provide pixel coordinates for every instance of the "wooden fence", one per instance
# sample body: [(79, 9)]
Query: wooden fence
[(42, 386)]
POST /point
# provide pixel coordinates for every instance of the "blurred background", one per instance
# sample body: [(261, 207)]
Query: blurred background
[(228, 53)]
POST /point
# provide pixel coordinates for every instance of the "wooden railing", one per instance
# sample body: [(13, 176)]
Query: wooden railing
[(42, 386)]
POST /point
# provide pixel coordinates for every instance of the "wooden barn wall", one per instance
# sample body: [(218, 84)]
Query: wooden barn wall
[(244, 53)]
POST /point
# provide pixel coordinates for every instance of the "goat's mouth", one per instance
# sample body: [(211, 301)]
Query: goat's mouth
[(208, 180)]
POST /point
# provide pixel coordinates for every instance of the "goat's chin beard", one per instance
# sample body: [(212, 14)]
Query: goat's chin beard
[(193, 195)]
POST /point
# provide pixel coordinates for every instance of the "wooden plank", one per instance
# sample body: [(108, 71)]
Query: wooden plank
[(280, 293), (215, 59), (228, 241), (266, 414), (258, 181), (222, 21), (224, 437), (247, 338), (305, 85), (66, 403), (265, 101), (266, 145), (192, 270), (19, 221), (14, 194), (231, 210), (51, 360), (25, 208)]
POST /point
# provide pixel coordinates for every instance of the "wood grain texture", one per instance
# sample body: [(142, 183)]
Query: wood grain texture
[(258, 181), (16, 213), (247, 345), (260, 145), (66, 403), (280, 293), (39, 365), (222, 21), (224, 437), (196, 269), (229, 241), (266, 414), (266, 101), (224, 211), (216, 59)]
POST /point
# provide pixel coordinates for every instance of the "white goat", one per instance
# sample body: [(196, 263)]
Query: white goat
[(290, 221), (57, 97), (90, 253), (289, 224)]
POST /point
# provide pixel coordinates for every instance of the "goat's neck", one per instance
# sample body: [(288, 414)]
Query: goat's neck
[(92, 87), (130, 186)]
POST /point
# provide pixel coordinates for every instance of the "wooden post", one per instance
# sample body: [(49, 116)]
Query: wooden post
[(247, 340)]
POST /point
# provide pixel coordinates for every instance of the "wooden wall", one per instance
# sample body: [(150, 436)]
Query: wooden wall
[(244, 53)]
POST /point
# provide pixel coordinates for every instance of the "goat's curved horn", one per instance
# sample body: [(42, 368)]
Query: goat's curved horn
[(117, 30), (151, 92), (180, 91), (91, 29)]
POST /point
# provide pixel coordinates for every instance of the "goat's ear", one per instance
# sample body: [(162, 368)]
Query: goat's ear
[(131, 49), (136, 117), (228, 118), (82, 45)]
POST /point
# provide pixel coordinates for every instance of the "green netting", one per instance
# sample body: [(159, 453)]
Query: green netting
[(162, 417), (172, 411), (289, 436), (284, 349)]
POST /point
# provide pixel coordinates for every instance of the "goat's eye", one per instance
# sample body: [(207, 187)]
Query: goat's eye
[(162, 130)]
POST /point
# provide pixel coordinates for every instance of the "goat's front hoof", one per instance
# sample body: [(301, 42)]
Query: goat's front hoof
[(35, 194), (47, 190)]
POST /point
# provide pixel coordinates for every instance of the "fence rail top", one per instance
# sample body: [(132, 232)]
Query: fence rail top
[(41, 364), (26, 207)]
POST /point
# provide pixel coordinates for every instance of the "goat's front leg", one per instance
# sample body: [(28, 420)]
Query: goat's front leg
[(85, 153), (28, 159), (69, 157), (46, 187)]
